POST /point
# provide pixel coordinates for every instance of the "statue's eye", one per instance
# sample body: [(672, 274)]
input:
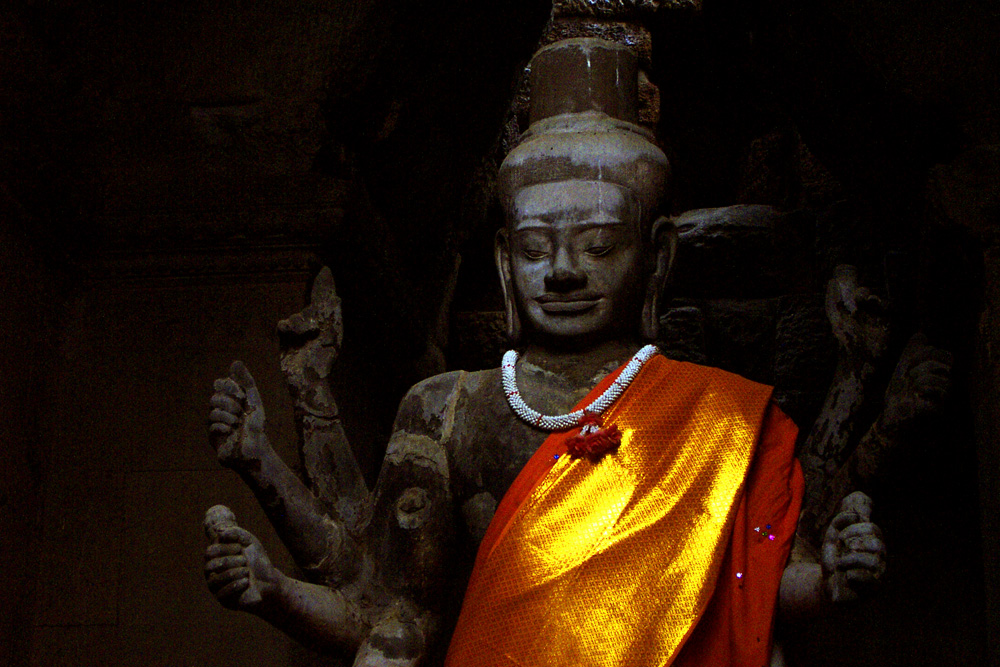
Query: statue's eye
[(599, 250), (534, 253)]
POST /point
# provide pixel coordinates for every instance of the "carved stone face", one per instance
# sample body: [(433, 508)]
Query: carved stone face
[(576, 258)]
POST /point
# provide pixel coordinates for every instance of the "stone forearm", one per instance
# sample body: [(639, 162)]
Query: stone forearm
[(320, 546), (317, 616), (827, 447), (801, 594)]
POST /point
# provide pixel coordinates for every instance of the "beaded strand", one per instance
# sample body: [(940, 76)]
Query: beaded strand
[(572, 419)]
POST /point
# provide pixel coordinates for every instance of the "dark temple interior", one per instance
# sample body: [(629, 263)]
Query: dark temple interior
[(173, 175)]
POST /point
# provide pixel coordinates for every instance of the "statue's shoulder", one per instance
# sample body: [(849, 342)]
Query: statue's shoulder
[(720, 380), (712, 371), (432, 405)]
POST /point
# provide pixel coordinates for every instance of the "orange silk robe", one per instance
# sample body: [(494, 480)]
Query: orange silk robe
[(666, 552)]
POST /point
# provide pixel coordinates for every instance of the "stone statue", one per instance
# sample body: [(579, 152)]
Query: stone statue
[(583, 261)]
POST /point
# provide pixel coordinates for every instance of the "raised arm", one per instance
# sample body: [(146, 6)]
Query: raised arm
[(241, 576), (319, 543), (392, 569), (861, 326), (310, 342), (849, 568)]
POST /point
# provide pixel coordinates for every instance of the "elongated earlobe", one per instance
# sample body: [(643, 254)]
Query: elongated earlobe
[(665, 248), (501, 253)]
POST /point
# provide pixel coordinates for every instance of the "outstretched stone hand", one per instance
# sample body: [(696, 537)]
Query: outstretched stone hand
[(237, 418), (853, 554), (238, 572)]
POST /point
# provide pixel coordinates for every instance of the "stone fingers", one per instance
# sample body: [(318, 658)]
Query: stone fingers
[(222, 563), (862, 537), (235, 534), (218, 416), (859, 504), (227, 410), (239, 374), (218, 580), (859, 564), (224, 401), (231, 594), (219, 429), (228, 387), (222, 549), (227, 573), (863, 563)]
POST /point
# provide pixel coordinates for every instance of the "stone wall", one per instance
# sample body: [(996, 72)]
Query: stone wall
[(29, 303), (129, 471)]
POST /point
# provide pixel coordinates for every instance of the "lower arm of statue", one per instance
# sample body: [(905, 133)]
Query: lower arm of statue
[(317, 616), (311, 536), (801, 595)]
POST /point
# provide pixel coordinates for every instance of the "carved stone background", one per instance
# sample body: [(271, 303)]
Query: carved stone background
[(173, 174)]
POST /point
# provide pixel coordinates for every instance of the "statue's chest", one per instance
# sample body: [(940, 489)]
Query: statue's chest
[(489, 447), (489, 456)]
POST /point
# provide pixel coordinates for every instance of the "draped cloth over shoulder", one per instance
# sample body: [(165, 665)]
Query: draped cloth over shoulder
[(616, 562)]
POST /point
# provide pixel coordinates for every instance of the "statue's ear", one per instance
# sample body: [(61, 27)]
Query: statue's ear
[(664, 249), (501, 253)]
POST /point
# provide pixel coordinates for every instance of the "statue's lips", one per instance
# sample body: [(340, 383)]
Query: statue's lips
[(560, 304)]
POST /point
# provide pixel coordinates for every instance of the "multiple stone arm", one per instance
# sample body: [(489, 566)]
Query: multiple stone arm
[(378, 562), (839, 555), (919, 386), (241, 576), (852, 560), (861, 327), (319, 543), (310, 342), (377, 585), (834, 459)]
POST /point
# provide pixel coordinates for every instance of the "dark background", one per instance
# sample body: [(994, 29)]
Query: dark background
[(173, 174)]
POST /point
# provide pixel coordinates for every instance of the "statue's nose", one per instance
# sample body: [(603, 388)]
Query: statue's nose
[(564, 272)]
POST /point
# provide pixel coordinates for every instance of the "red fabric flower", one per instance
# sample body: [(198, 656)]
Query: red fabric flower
[(595, 445)]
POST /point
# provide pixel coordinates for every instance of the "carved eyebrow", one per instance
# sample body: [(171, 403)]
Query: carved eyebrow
[(599, 224), (536, 224), (533, 225)]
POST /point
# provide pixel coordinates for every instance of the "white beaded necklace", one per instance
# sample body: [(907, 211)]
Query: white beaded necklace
[(562, 422)]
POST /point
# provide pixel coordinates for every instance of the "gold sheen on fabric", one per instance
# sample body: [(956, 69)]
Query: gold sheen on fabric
[(613, 563)]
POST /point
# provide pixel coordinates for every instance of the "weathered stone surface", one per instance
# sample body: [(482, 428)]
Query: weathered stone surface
[(682, 334), (743, 251), (98, 101), (633, 35), (478, 340), (739, 336), (966, 193), (804, 355), (478, 511), (619, 8), (804, 346), (80, 549), (610, 72)]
